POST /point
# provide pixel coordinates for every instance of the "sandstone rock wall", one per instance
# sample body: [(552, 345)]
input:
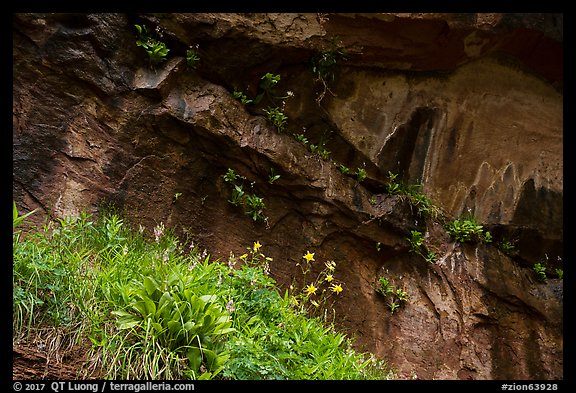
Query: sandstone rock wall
[(461, 103)]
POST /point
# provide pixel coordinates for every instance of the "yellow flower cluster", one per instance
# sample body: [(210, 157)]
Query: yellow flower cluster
[(326, 275)]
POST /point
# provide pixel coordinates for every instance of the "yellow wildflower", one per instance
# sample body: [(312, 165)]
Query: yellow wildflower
[(309, 256), (329, 277), (336, 288), (257, 245), (310, 289), (330, 265)]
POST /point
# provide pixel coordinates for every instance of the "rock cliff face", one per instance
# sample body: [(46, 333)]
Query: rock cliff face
[(467, 105)]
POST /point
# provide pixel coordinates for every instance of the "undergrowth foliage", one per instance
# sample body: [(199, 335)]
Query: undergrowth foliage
[(151, 307)]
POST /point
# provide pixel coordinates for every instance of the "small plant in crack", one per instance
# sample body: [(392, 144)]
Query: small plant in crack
[(242, 97), (344, 169), (320, 148), (267, 86), (431, 257), (177, 196), (255, 206), (323, 66), (361, 174), (392, 187), (395, 297), (467, 229), (301, 138), (540, 270), (506, 246), (252, 204), (273, 176), (275, 103), (192, 57), (276, 117), (384, 286), (559, 273), (156, 49), (416, 241)]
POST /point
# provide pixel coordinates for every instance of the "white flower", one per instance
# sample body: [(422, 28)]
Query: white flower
[(158, 231)]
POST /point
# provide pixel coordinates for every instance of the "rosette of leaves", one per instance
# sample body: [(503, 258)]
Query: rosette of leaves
[(171, 315), (156, 49)]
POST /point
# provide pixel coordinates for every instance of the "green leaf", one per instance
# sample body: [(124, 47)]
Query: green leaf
[(208, 298), (206, 376), (150, 285), (121, 313), (126, 320), (140, 307), (158, 327), (174, 326), (208, 319), (189, 325), (194, 358)]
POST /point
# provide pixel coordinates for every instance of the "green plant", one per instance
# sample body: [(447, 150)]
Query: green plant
[(401, 295), (467, 229), (240, 96), (392, 187), (344, 169), (231, 176), (396, 296), (416, 241), (276, 117), (540, 270), (267, 84), (192, 58), (18, 219), (320, 150), (559, 273), (268, 81), (156, 308), (237, 195), (273, 176), (177, 195), (156, 50), (255, 206), (431, 257), (423, 204), (393, 305), (323, 67), (165, 311), (301, 138), (384, 286), (506, 246), (361, 174), (252, 204)]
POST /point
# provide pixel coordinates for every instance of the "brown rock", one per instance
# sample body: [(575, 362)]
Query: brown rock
[(456, 102)]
